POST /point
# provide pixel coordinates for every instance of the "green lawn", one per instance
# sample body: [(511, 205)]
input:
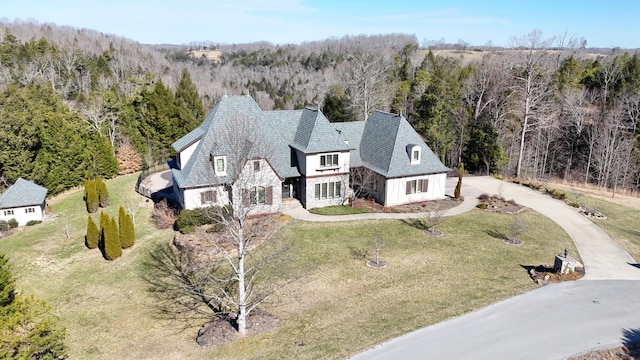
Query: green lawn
[(338, 308), (621, 223), (338, 210)]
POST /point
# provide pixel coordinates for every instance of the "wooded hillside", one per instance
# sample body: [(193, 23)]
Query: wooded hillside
[(75, 103)]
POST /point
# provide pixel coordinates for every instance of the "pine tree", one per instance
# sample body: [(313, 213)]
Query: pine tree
[(189, 104), (112, 247), (93, 234), (92, 196), (7, 283), (103, 192), (127, 234), (29, 331)]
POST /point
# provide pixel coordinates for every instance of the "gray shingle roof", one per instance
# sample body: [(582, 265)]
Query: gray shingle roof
[(315, 134), (383, 146), (352, 132), (23, 193), (222, 133)]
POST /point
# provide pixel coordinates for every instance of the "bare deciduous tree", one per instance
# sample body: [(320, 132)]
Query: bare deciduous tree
[(365, 78), (532, 83)]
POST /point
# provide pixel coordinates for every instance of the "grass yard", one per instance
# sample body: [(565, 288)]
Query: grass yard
[(338, 210), (338, 308), (621, 223)]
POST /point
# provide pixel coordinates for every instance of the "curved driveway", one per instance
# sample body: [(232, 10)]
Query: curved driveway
[(555, 321)]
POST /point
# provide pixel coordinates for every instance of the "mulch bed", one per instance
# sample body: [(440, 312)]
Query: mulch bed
[(222, 331), (425, 206), (498, 204)]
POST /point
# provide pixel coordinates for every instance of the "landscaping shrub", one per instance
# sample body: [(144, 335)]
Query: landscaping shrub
[(127, 233), (111, 249), (92, 238), (482, 206), (4, 226), (556, 194), (574, 204), (163, 215), (91, 196), (484, 197), (33, 222), (103, 192), (188, 220), (13, 223)]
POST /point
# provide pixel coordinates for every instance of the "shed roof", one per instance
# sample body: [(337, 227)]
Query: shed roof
[(23, 193)]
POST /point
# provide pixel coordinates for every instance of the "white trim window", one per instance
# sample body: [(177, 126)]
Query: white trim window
[(417, 186), (330, 190), (8, 212), (415, 154), (328, 160), (220, 165)]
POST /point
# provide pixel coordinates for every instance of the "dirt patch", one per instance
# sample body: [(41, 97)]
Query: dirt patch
[(222, 331), (197, 244), (621, 353)]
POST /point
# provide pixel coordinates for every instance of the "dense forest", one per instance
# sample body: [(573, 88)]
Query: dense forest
[(76, 103)]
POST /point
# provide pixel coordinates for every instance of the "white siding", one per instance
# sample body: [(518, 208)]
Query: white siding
[(192, 198), (185, 155), (22, 216), (312, 165), (395, 190)]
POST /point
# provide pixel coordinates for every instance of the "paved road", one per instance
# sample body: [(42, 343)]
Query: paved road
[(556, 321)]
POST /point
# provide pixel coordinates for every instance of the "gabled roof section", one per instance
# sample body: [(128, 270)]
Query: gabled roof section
[(316, 135), (383, 147), (220, 133), (23, 193)]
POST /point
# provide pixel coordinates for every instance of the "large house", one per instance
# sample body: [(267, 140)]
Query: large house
[(23, 201), (241, 154)]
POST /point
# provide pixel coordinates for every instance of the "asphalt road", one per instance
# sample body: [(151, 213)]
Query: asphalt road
[(556, 321)]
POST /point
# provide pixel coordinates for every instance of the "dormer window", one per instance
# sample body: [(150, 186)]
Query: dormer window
[(220, 165), (415, 154)]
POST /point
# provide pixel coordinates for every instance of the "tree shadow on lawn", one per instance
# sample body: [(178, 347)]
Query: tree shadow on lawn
[(496, 234), (416, 223)]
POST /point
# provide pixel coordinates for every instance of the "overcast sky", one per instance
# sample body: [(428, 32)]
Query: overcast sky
[(293, 21)]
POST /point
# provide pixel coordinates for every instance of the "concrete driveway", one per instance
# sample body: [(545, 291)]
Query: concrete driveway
[(556, 321)]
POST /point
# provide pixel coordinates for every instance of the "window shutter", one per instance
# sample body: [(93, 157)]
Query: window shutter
[(425, 185), (408, 187), (203, 197), (269, 195), (246, 198)]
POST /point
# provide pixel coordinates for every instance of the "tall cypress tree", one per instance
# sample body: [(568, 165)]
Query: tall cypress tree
[(112, 247), (103, 192), (189, 104), (93, 234), (127, 235), (92, 198), (104, 223)]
